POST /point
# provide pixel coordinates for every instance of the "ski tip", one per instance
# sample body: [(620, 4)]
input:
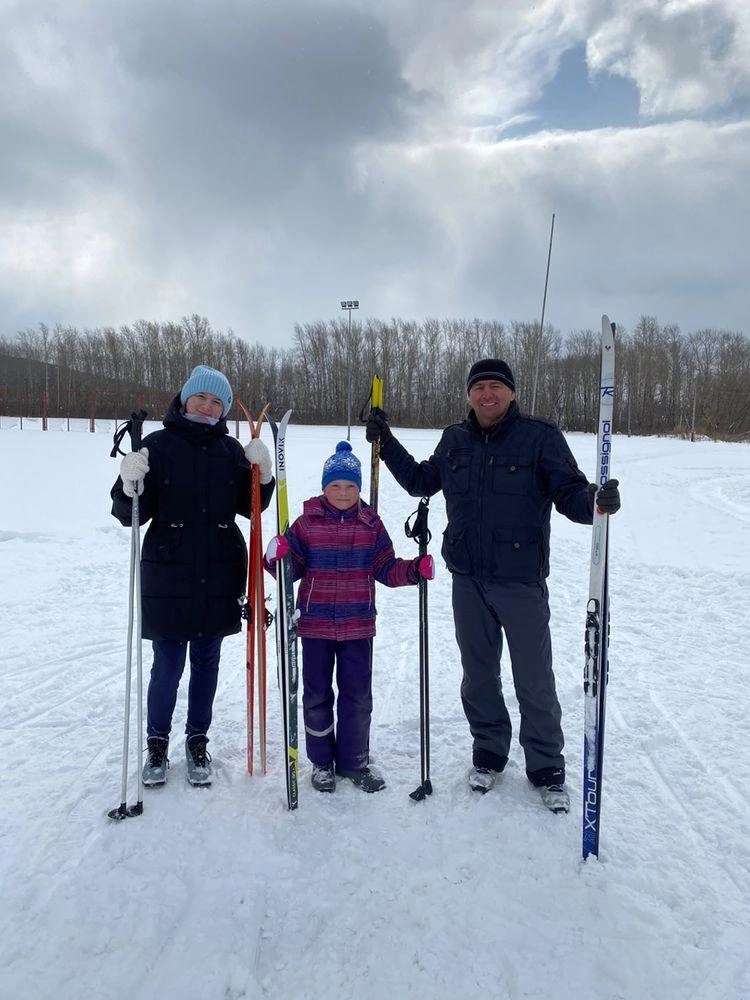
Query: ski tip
[(608, 327)]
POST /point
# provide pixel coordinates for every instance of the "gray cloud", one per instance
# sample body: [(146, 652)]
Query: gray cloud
[(258, 162)]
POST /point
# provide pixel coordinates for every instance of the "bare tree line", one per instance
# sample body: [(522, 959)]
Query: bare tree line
[(667, 382)]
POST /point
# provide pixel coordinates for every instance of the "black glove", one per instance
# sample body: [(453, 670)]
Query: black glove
[(608, 497), (377, 426)]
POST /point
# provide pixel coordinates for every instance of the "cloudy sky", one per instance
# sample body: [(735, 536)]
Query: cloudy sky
[(256, 162)]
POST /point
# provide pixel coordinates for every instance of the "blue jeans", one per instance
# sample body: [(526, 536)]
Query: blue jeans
[(169, 662)]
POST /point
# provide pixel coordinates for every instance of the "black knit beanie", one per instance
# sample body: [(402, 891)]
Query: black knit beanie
[(491, 370)]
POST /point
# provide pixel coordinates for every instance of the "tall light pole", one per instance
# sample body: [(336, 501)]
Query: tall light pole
[(349, 304), (541, 325)]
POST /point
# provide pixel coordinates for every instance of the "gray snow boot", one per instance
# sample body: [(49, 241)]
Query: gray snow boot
[(555, 798), (482, 779), (198, 760), (157, 762), (367, 778), (551, 784), (323, 778)]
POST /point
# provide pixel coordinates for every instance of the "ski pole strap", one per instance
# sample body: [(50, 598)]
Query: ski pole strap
[(374, 399), (417, 529), (364, 413), (134, 427)]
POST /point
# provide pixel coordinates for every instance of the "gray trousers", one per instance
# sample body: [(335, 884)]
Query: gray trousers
[(482, 612)]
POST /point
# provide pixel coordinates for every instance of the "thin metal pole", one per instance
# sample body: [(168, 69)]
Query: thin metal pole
[(695, 397), (541, 325), (349, 380), (129, 658), (138, 645)]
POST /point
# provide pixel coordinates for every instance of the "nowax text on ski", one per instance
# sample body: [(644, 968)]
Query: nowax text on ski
[(133, 427), (255, 611), (286, 630), (596, 669)]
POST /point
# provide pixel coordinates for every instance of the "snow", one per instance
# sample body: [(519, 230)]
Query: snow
[(222, 894)]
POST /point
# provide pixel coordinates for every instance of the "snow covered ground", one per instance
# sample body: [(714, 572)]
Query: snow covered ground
[(221, 894)]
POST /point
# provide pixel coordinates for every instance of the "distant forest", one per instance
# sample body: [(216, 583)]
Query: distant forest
[(667, 382)]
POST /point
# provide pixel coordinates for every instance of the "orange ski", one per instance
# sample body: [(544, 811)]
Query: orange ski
[(255, 654)]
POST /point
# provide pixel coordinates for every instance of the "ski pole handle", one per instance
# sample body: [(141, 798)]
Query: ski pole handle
[(418, 529), (134, 427)]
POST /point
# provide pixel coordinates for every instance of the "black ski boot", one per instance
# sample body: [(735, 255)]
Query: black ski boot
[(323, 778), (367, 778), (198, 760), (157, 762)]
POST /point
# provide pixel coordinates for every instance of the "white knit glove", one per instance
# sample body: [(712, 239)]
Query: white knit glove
[(133, 469), (257, 454)]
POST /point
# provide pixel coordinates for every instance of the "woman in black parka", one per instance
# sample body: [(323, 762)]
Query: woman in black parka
[(192, 479)]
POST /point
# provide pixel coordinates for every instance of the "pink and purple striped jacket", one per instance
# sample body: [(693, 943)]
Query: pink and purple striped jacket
[(339, 555)]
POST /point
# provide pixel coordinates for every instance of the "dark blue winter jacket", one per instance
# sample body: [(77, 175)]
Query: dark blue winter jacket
[(194, 558), (499, 488)]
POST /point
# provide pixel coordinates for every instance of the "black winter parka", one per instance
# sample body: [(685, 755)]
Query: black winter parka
[(499, 487), (194, 558)]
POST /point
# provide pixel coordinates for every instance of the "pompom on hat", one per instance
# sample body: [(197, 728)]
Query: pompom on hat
[(205, 379), (343, 464)]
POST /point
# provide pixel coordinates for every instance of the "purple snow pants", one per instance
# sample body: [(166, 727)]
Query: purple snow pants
[(349, 746)]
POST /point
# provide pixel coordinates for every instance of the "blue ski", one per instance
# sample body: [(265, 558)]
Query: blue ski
[(595, 674)]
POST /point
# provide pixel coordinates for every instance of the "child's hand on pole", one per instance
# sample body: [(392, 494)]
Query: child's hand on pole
[(426, 567), (277, 548)]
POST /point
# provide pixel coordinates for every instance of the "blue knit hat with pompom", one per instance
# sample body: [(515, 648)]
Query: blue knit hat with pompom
[(343, 464)]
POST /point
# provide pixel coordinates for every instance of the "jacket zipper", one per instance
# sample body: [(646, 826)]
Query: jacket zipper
[(481, 506), (309, 595)]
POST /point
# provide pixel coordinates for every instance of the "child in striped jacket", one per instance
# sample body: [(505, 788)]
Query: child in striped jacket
[(339, 547)]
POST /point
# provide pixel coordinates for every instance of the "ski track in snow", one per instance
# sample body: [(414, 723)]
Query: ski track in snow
[(222, 894)]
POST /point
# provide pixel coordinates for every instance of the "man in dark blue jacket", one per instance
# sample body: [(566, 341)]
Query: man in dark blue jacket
[(500, 472)]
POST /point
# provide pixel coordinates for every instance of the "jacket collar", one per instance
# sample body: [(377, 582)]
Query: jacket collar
[(175, 420), (320, 507)]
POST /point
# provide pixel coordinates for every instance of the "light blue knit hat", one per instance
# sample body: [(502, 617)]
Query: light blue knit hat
[(342, 465), (205, 379)]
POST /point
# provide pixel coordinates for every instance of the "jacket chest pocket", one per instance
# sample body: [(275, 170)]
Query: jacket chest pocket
[(517, 553), (511, 475), (457, 471)]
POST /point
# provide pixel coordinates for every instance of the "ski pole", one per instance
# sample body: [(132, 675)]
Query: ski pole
[(133, 427), (376, 399), (419, 531), (255, 610)]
